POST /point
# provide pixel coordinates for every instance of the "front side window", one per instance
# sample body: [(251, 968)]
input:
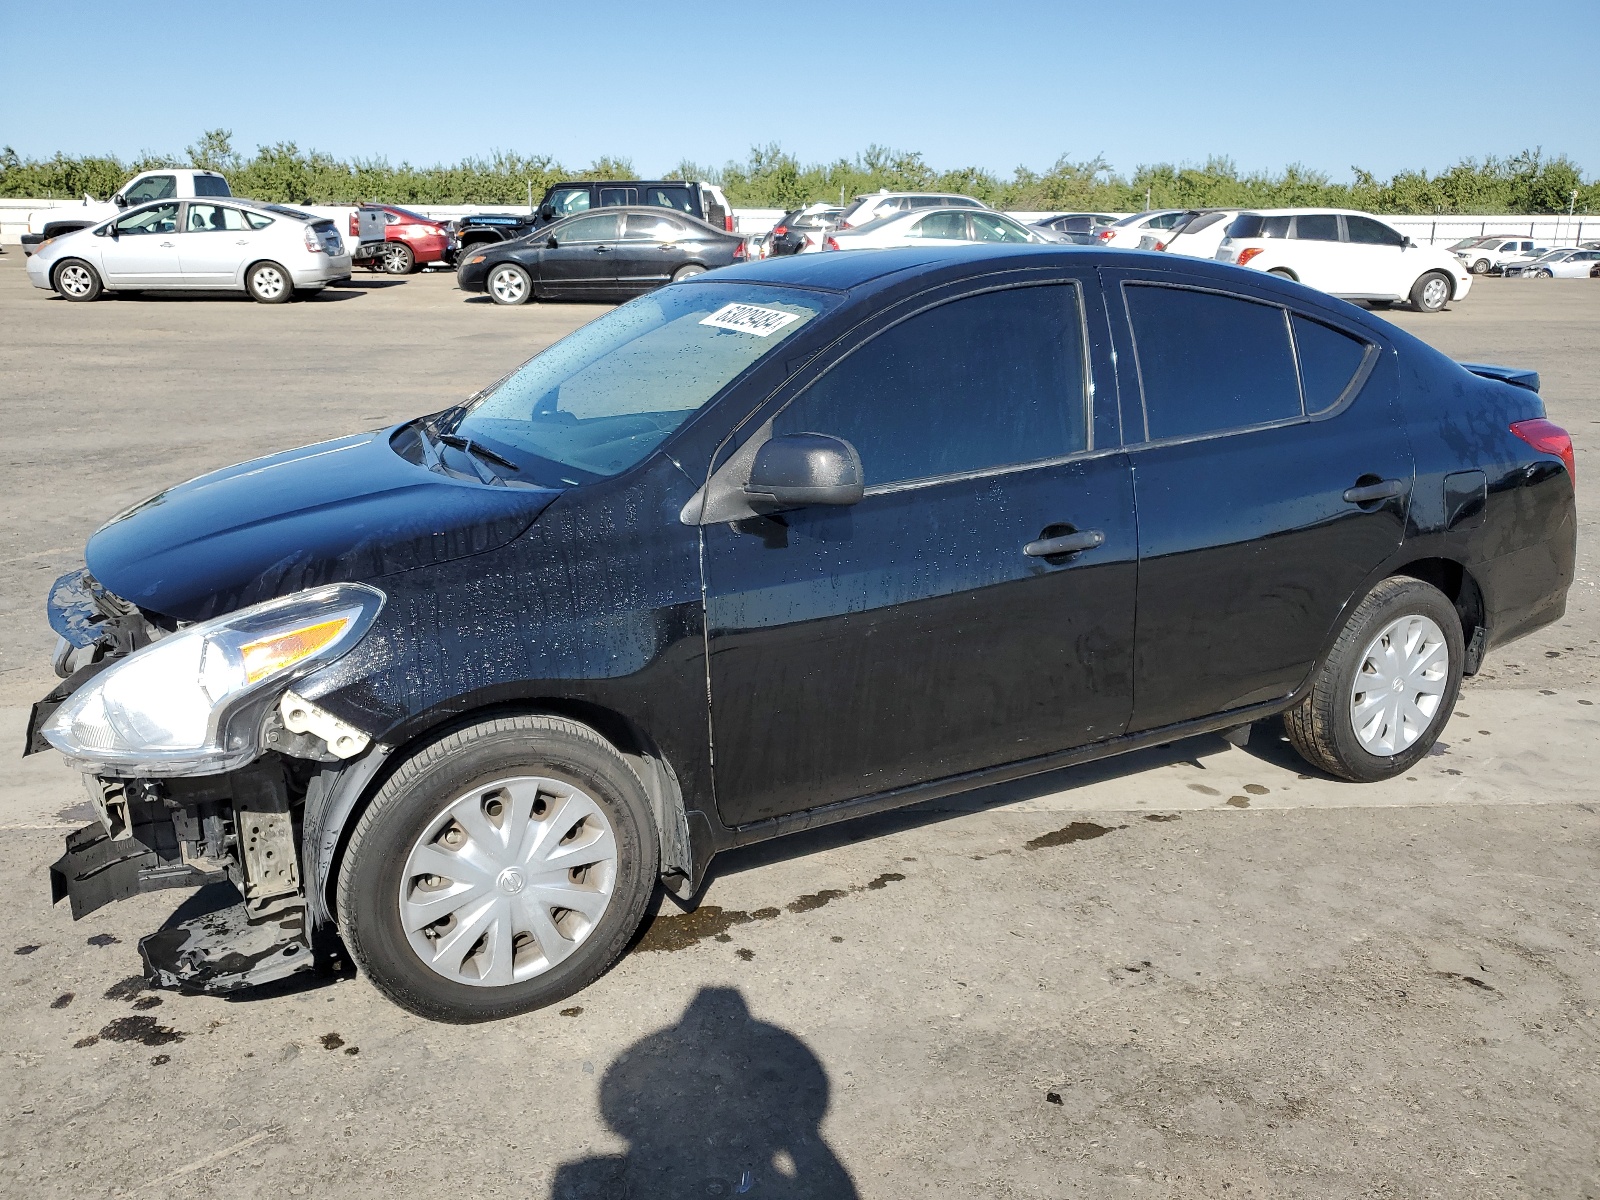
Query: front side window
[(946, 226), (974, 384), (211, 185), (215, 218), (566, 201), (603, 397), (152, 187), (1209, 362), (598, 228), (161, 218), (991, 227), (1367, 232), (1317, 227)]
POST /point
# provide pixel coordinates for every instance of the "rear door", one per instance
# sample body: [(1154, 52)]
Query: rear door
[(652, 248), (1272, 475), (618, 197), (915, 635), (217, 242), (583, 258), (1318, 258)]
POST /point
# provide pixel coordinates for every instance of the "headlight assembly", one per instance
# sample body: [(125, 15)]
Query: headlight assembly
[(191, 703)]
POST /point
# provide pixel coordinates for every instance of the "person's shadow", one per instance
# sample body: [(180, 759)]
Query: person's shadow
[(719, 1104)]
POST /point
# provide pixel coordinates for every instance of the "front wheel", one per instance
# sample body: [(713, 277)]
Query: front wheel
[(509, 284), (1431, 293), (269, 283), (397, 258), (1481, 267), (76, 281), (1378, 703), (500, 869)]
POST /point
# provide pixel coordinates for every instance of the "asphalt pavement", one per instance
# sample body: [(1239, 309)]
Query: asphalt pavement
[(1197, 971)]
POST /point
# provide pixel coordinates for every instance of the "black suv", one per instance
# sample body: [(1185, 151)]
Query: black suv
[(563, 200), (780, 545)]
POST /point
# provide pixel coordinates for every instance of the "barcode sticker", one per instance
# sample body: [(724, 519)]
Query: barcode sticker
[(750, 318)]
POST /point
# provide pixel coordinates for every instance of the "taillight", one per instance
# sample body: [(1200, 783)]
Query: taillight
[(1248, 253), (779, 230), (1549, 438), (313, 240), (727, 222), (844, 225), (830, 244), (742, 250), (1159, 246), (355, 226), (1105, 235)]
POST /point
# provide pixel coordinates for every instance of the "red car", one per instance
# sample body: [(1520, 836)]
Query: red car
[(398, 240)]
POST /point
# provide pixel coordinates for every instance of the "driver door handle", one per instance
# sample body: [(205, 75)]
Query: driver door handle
[(167, 245), (1067, 543), (1386, 489)]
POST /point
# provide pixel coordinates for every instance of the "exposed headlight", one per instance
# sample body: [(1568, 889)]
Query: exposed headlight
[(191, 704)]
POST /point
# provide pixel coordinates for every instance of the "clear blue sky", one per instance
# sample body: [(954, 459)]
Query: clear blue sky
[(989, 83)]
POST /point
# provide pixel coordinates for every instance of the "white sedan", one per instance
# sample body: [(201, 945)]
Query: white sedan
[(1559, 264), (953, 226), (269, 251)]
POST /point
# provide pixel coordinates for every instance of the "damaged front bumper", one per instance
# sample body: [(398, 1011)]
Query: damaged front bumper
[(237, 829)]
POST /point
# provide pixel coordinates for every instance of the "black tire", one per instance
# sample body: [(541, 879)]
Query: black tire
[(1322, 727), (269, 283), (1432, 292), (1480, 267), (418, 794), (688, 271), (397, 259), (1283, 273), (81, 283), (507, 283)]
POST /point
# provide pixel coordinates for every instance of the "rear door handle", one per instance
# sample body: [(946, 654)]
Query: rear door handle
[(1066, 543), (1366, 493), (602, 249)]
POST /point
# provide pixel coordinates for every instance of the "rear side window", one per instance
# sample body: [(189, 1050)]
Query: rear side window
[(616, 196), (669, 197), (1204, 221), (1329, 361), (211, 185), (1254, 225), (645, 227), (983, 382), (1317, 227), (1208, 362)]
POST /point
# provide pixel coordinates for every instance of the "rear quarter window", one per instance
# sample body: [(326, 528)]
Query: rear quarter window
[(1210, 362), (1329, 361)]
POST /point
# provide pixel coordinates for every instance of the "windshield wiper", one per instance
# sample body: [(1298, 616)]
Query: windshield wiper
[(472, 447)]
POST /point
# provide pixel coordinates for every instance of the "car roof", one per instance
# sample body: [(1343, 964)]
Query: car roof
[(649, 210)]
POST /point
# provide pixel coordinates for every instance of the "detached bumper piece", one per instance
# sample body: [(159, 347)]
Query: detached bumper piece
[(236, 828)]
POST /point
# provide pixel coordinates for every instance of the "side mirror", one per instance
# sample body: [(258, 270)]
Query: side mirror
[(547, 212), (550, 242), (803, 469), (1405, 243), (120, 200)]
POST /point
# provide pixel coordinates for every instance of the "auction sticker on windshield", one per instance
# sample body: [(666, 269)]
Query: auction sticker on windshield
[(750, 318)]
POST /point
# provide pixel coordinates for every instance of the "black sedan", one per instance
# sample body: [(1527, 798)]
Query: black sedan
[(794, 542), (1079, 228), (609, 255)]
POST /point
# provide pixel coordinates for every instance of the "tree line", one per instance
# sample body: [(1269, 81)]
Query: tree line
[(771, 177)]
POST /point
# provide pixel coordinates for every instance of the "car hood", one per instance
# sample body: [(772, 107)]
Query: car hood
[(350, 509)]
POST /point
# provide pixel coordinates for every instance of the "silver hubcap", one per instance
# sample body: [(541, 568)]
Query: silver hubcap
[(1399, 686), (268, 282), (691, 272), (507, 286), (1434, 293), (508, 880), (395, 259), (75, 280)]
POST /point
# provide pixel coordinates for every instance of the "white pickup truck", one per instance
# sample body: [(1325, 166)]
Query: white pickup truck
[(183, 183)]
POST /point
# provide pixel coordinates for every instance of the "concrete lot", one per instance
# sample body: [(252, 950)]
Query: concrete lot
[(1197, 972)]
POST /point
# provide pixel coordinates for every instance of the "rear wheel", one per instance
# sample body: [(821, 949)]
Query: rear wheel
[(688, 272), (509, 284), (269, 283), (76, 280), (397, 258), (500, 869), (1378, 703), (1283, 273), (1431, 293)]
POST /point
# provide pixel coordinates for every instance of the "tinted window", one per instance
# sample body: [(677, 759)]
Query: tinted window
[(211, 185), (1329, 360), (1208, 362), (1368, 232), (1164, 221), (991, 227), (598, 228), (566, 201), (950, 226), (1204, 221), (669, 197), (612, 197), (911, 202), (157, 187), (643, 227), (982, 382), (1318, 227)]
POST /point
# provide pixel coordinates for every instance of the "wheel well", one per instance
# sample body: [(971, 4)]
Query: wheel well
[(1285, 272), (648, 762), (57, 228), (478, 239), (1457, 583)]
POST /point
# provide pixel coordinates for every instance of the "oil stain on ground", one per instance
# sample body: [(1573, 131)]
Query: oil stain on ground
[(1078, 831), (1472, 980), (143, 1030), (62, 1000), (331, 1041), (128, 988), (679, 931)]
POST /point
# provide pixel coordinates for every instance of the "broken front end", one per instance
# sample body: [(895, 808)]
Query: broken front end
[(198, 756)]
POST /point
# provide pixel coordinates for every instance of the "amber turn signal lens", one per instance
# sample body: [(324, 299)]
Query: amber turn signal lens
[(271, 654)]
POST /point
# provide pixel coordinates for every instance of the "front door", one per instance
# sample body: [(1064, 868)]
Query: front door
[(929, 630), (216, 244), (1272, 481), (143, 249), (582, 260)]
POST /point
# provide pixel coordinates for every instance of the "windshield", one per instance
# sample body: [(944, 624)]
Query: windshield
[(603, 397)]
